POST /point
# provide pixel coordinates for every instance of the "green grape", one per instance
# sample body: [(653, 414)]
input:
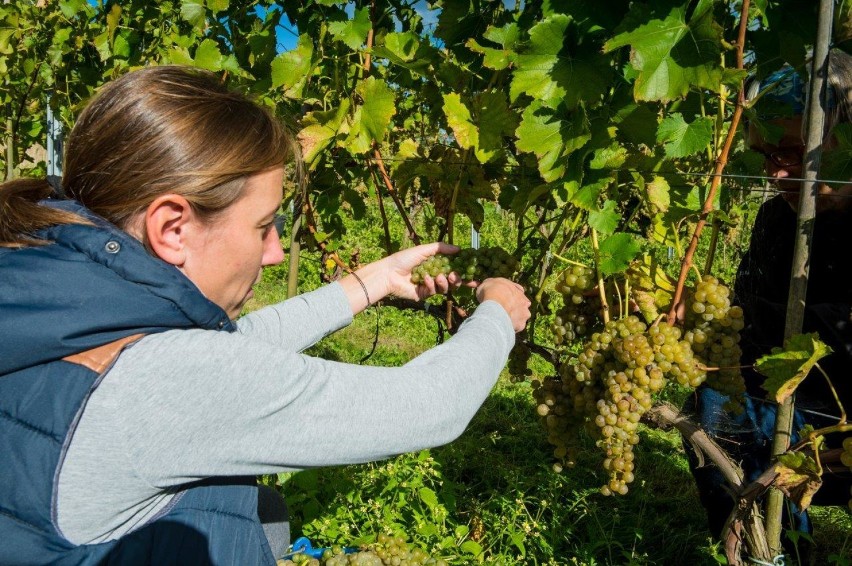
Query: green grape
[(614, 375), (714, 333), (386, 551), (470, 264)]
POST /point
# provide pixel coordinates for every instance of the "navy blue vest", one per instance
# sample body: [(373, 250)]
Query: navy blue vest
[(93, 286)]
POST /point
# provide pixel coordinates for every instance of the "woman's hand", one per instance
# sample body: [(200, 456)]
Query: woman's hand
[(392, 276), (511, 297), (400, 265)]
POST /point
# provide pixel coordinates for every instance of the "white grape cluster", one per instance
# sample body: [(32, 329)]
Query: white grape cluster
[(619, 370), (386, 551), (470, 264), (581, 313), (714, 333)]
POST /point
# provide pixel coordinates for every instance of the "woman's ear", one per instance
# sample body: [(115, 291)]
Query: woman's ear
[(168, 221)]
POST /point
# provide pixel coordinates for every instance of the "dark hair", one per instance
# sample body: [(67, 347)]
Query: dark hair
[(151, 132)]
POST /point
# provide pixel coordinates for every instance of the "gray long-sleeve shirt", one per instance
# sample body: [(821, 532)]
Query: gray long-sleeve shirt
[(190, 404)]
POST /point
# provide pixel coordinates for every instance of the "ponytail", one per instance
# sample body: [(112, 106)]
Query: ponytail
[(21, 215)]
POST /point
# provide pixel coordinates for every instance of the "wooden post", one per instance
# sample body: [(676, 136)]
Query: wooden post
[(815, 117)]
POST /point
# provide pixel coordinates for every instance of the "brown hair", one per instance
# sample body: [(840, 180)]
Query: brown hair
[(151, 132)]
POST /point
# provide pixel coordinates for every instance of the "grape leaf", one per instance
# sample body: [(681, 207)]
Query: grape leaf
[(358, 140), (606, 219), (837, 161), (786, 368), (497, 59), (121, 45), (495, 121), (352, 32), (71, 7), (319, 130), (208, 56), (681, 139), (544, 71), (193, 12), (617, 251), (218, 5), (290, 69), (403, 46), (798, 477), (175, 55), (459, 120), (636, 123), (669, 53), (535, 74), (657, 192), (551, 135), (587, 196), (378, 107), (611, 157)]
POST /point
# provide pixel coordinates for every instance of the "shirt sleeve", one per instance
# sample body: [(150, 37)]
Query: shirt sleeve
[(299, 322), (190, 404)]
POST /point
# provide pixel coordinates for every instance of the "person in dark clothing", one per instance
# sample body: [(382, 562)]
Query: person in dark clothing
[(762, 286)]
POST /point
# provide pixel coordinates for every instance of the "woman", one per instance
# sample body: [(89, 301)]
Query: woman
[(135, 410)]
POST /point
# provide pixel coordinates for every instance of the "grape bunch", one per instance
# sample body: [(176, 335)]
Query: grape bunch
[(581, 313), (608, 388), (470, 264), (612, 381), (575, 282), (387, 550), (714, 333), (518, 365)]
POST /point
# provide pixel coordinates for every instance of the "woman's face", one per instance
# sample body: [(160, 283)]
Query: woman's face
[(787, 172), (229, 252)]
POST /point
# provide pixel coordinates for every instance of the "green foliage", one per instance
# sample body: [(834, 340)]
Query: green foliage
[(564, 115)]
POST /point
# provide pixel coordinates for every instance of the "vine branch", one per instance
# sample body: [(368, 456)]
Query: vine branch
[(721, 161)]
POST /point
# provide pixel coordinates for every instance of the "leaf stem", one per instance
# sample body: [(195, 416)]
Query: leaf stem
[(601, 287)]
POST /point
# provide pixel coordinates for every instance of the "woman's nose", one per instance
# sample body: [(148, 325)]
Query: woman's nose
[(273, 253)]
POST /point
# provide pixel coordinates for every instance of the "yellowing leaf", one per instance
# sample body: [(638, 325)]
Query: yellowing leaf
[(798, 478), (459, 120), (786, 368), (291, 68), (378, 108), (657, 192)]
